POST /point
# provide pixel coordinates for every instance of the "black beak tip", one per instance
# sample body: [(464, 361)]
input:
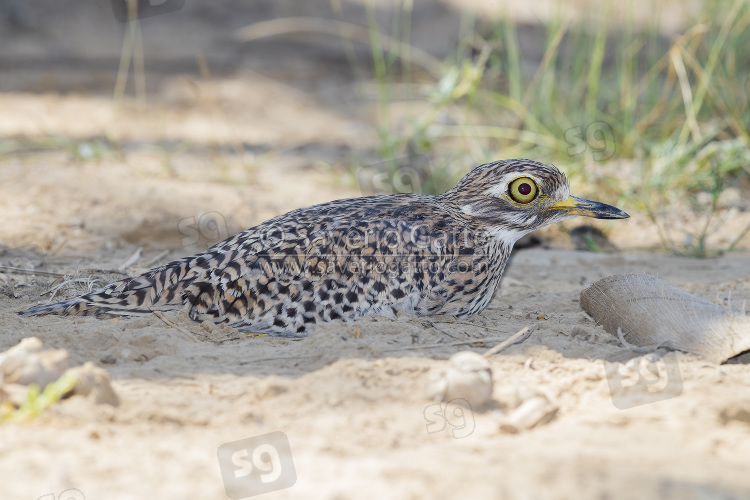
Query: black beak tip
[(599, 210), (615, 213)]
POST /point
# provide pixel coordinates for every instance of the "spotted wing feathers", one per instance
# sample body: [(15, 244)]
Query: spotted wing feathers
[(338, 260)]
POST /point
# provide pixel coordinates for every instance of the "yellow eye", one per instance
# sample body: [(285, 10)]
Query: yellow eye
[(523, 190)]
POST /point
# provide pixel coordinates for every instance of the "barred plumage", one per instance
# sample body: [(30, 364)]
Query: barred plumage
[(344, 259)]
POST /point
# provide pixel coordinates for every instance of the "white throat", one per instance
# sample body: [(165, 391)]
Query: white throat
[(506, 236)]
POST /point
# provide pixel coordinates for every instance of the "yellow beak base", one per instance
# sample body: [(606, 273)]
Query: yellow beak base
[(587, 208)]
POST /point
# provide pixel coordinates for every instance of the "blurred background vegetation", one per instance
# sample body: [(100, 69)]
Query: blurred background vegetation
[(643, 103), (652, 120)]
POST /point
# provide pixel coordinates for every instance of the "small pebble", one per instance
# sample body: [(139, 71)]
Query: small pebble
[(467, 377), (535, 411), (108, 359)]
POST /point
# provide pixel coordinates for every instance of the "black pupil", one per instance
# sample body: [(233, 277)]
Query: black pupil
[(524, 189)]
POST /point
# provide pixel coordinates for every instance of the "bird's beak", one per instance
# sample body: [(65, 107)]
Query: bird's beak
[(578, 206)]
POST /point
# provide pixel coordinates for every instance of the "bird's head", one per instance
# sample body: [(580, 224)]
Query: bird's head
[(510, 198)]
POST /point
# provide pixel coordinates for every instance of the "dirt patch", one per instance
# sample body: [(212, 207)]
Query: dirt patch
[(351, 397)]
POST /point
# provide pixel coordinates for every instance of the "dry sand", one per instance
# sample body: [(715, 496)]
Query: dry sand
[(350, 397)]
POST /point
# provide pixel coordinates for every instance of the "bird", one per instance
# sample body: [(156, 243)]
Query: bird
[(341, 260)]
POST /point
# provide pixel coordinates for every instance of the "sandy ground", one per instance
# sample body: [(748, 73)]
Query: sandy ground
[(350, 398)]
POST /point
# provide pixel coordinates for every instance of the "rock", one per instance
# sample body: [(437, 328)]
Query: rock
[(736, 411), (93, 383), (15, 394), (644, 311), (108, 359), (535, 407), (26, 364), (467, 377), (532, 412)]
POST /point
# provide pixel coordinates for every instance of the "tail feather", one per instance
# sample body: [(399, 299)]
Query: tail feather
[(159, 289), (73, 306)]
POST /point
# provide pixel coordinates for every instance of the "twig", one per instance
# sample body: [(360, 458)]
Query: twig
[(150, 262), (105, 271), (449, 344), (19, 270), (466, 323), (278, 358), (738, 238), (639, 349), (505, 343), (624, 342), (58, 247), (523, 332), (56, 288), (161, 316), (440, 330), (132, 260)]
